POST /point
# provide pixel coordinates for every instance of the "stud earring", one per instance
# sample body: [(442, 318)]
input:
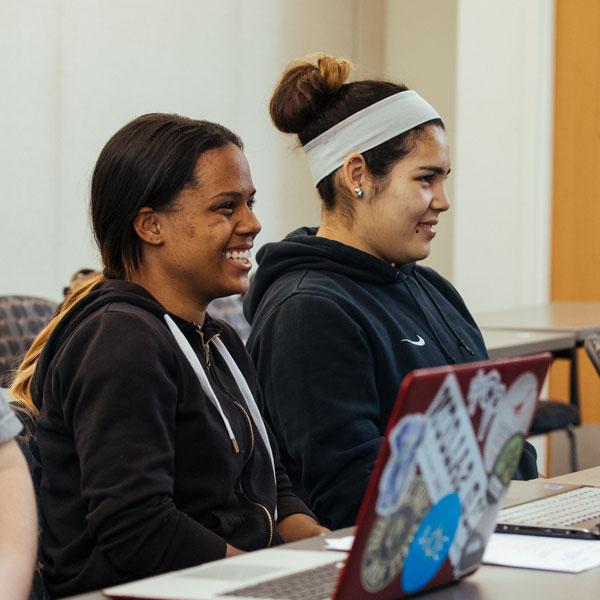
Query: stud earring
[(358, 191)]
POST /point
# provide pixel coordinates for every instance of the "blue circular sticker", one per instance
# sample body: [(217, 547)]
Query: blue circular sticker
[(430, 545)]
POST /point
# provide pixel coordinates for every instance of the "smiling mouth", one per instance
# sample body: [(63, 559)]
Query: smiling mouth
[(239, 256), (428, 227)]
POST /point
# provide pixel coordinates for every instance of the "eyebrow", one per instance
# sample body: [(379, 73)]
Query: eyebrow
[(233, 194), (435, 169)]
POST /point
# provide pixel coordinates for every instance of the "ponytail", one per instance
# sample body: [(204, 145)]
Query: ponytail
[(21, 384)]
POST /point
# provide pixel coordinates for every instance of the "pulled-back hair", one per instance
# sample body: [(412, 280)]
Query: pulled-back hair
[(148, 162), (312, 98)]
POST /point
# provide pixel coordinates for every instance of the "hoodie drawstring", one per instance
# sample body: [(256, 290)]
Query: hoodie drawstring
[(459, 341), (451, 360), (189, 353)]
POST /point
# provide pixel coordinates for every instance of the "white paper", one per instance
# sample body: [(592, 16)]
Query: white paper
[(342, 544), (546, 553)]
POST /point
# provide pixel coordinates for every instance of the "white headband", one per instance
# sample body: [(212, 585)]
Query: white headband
[(366, 129)]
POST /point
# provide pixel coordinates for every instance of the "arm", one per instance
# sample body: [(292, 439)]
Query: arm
[(18, 523), (298, 527), (318, 377), (120, 401)]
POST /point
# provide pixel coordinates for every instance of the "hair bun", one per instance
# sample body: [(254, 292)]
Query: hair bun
[(304, 88)]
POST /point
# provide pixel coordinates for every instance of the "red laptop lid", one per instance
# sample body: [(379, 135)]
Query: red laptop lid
[(451, 446)]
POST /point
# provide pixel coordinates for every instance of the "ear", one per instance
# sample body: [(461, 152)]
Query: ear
[(147, 226), (353, 172)]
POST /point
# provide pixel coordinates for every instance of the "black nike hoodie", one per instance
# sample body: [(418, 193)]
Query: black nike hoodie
[(334, 332), (139, 475)]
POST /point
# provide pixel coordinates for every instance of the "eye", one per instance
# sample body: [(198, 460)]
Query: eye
[(251, 203), (428, 179), (226, 207)]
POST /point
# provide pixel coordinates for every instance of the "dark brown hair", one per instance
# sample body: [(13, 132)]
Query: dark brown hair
[(311, 99), (146, 163)]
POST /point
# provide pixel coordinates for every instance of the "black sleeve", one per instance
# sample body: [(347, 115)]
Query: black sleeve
[(120, 396), (322, 400)]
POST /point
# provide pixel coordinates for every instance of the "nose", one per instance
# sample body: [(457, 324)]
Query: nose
[(248, 223), (440, 201)]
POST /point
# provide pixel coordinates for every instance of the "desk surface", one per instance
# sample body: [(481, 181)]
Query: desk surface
[(579, 318), (504, 343), (497, 583)]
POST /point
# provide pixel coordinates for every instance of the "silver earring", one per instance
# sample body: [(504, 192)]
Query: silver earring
[(358, 191)]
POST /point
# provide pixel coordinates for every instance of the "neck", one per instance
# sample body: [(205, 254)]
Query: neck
[(171, 295), (333, 229)]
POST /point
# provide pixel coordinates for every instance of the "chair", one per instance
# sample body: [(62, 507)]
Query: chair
[(229, 309), (552, 415), (21, 319), (592, 347)]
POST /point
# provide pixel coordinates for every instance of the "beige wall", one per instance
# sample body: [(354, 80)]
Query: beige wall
[(420, 51)]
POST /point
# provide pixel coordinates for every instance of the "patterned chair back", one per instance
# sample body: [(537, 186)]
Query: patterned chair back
[(21, 319), (229, 309)]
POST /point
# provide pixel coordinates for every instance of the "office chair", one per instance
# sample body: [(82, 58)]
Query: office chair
[(552, 415), (592, 347), (21, 319)]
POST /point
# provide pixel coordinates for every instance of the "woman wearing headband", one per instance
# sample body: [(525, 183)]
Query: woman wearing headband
[(154, 452), (340, 314)]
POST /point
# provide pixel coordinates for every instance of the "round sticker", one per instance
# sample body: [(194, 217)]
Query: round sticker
[(431, 543), (508, 458), (390, 536)]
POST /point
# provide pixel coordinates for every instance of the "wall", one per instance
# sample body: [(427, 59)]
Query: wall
[(504, 94), (74, 71), (420, 51)]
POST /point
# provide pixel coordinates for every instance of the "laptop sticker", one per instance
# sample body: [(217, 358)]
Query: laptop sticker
[(430, 546), (514, 414), (475, 546), (390, 537), (450, 460), (404, 439)]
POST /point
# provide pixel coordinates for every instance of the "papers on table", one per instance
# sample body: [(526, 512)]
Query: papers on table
[(342, 544), (524, 551), (546, 553)]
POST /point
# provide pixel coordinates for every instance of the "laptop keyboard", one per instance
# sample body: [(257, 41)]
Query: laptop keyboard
[(561, 510), (314, 584)]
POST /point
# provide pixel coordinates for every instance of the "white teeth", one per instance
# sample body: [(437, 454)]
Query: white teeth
[(241, 255)]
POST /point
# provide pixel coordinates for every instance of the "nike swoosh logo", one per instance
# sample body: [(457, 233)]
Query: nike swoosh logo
[(419, 342)]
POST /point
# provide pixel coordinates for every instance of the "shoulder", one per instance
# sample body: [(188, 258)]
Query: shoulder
[(118, 332)]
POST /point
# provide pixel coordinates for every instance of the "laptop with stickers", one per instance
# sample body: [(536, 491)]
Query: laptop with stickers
[(451, 446)]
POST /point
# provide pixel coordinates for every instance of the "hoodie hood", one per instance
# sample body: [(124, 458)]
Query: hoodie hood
[(106, 292), (303, 250)]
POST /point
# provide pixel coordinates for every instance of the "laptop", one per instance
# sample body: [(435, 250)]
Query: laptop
[(553, 509), (451, 446)]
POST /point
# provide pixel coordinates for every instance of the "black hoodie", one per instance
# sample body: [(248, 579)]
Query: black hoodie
[(139, 475), (334, 332)]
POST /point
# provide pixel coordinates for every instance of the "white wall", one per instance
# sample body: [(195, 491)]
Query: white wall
[(502, 183), (74, 71)]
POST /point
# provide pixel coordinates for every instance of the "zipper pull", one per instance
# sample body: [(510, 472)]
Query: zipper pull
[(205, 346)]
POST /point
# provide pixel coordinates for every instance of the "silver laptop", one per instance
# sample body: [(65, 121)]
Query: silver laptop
[(553, 509)]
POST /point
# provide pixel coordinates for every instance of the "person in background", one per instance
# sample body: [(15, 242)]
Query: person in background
[(153, 449), (18, 516), (341, 313)]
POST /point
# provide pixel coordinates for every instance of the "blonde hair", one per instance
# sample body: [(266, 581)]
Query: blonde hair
[(21, 384)]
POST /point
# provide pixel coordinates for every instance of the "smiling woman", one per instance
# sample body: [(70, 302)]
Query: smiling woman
[(341, 313), (152, 444)]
